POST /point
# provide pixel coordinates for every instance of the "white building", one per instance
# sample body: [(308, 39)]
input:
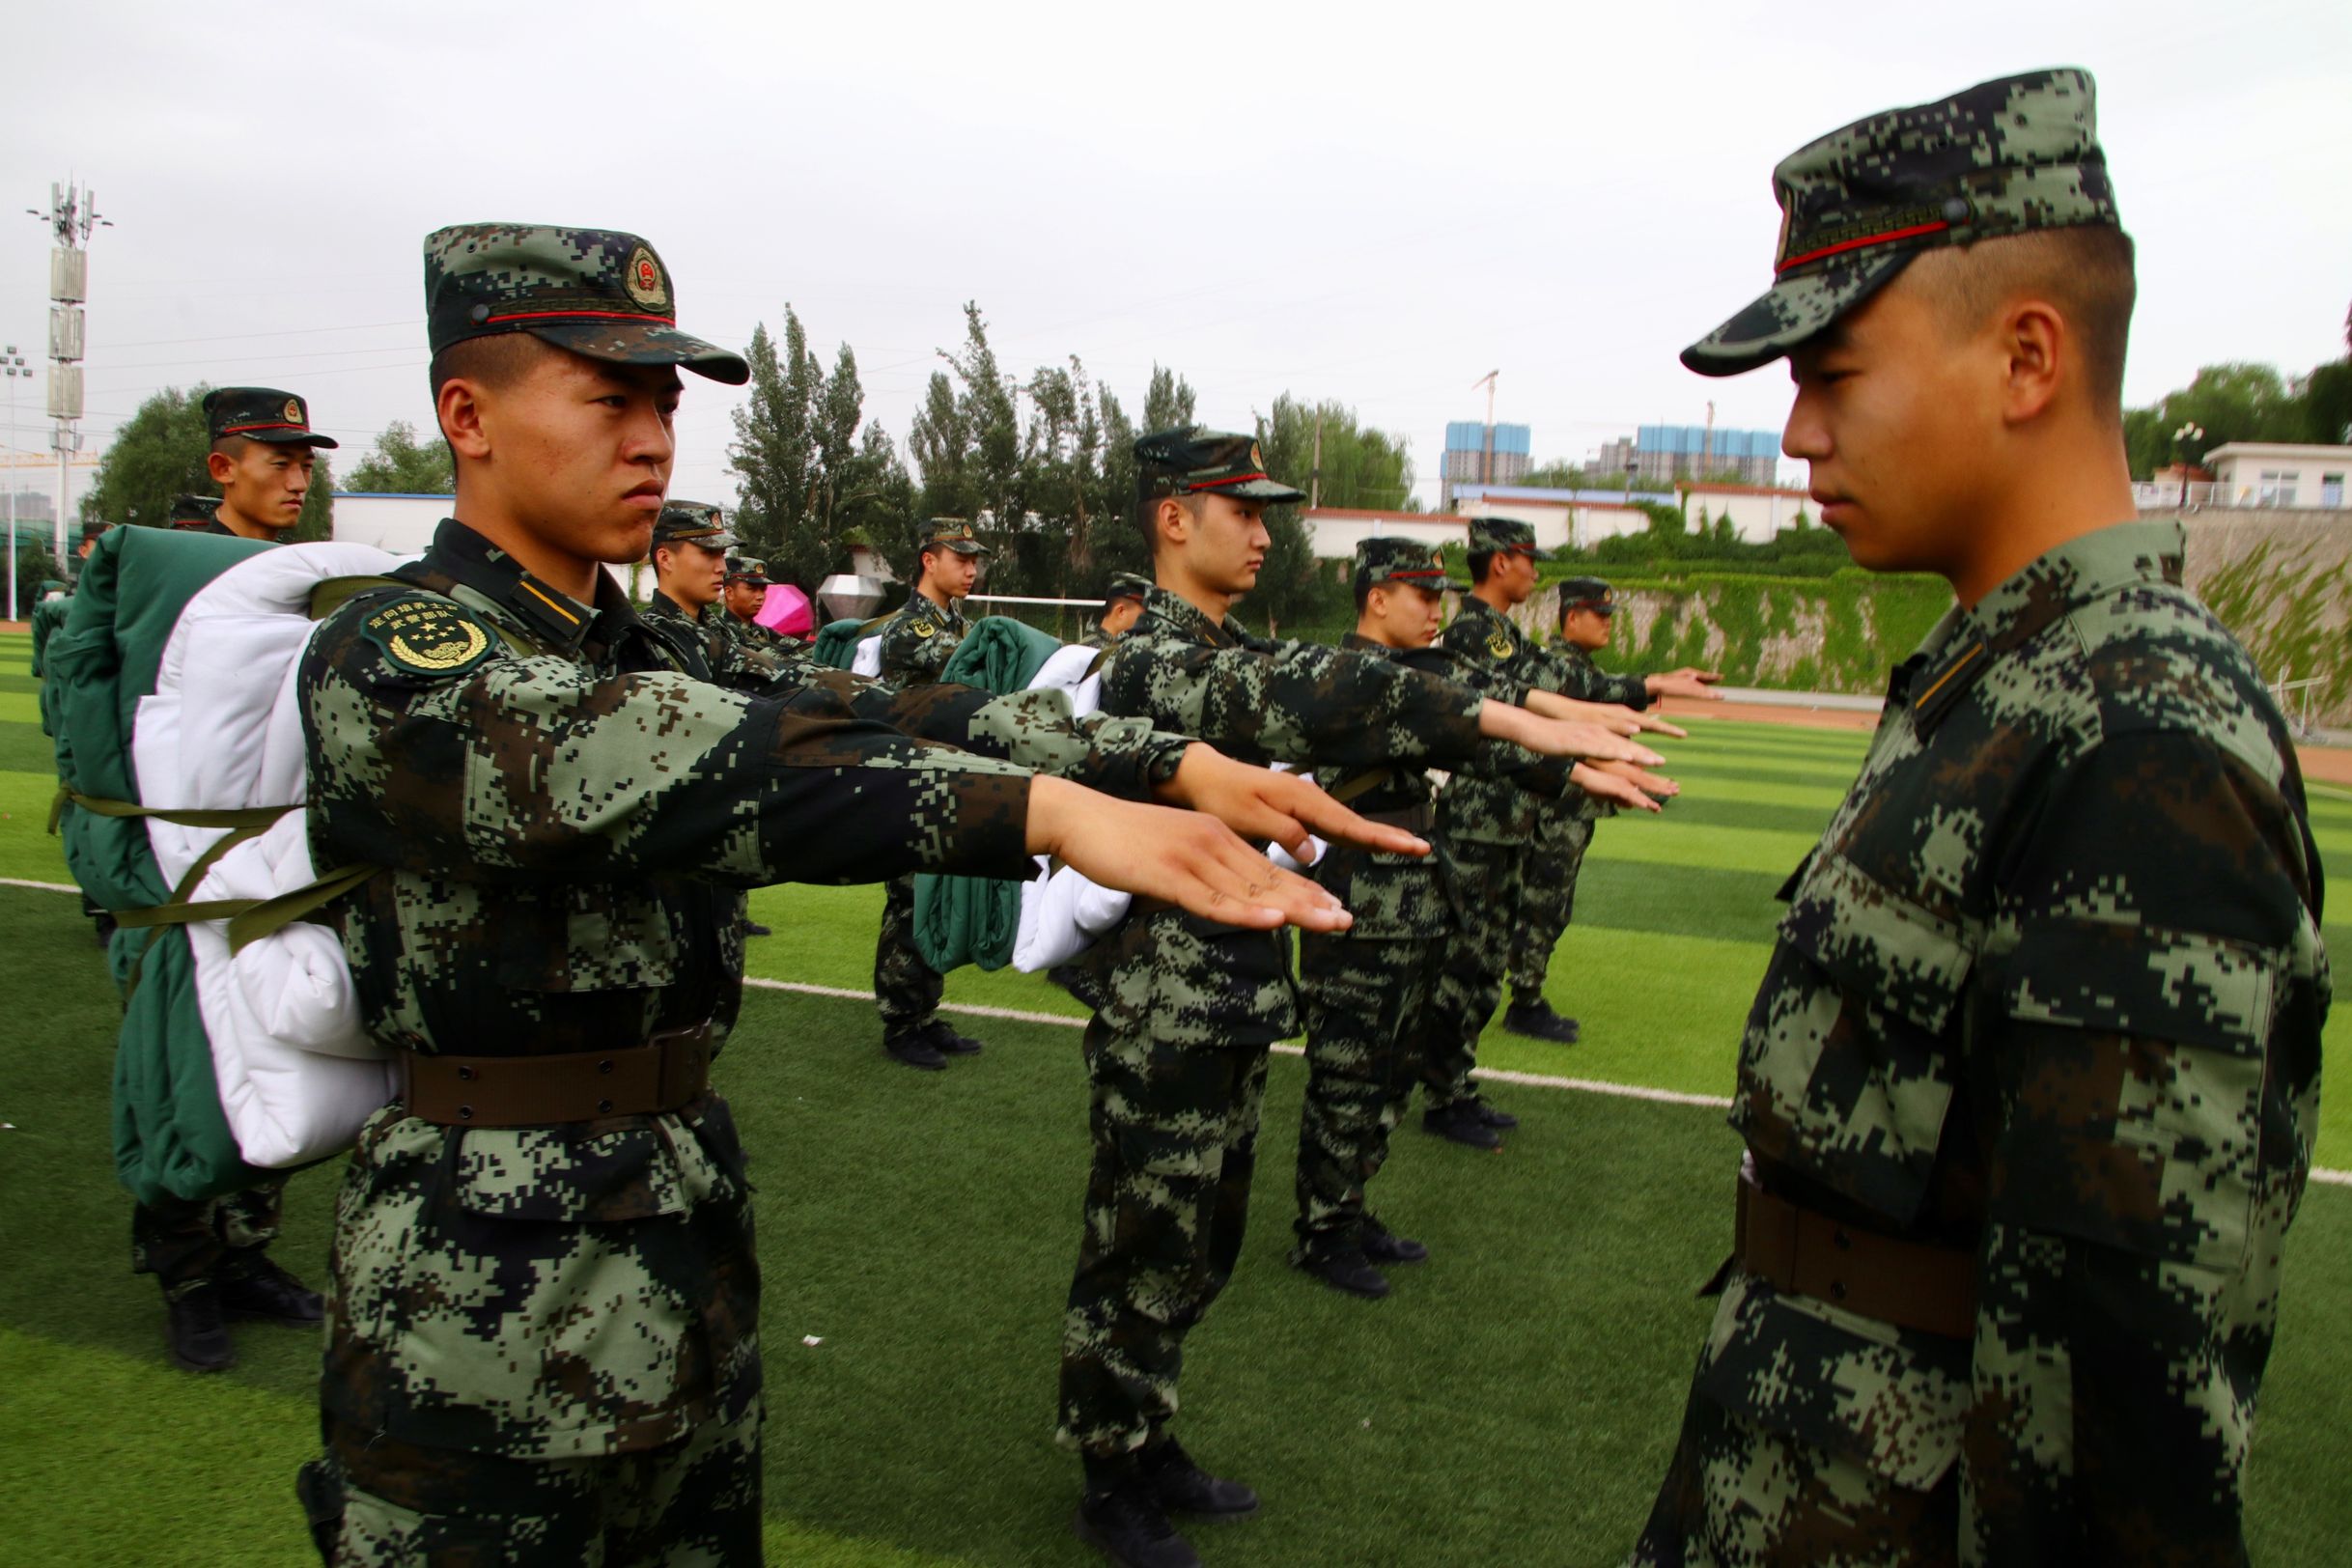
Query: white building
[(1333, 532), (1561, 519), (1758, 511), (2265, 473)]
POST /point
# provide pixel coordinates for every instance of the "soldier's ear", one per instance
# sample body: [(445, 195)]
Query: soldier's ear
[(1172, 520), (220, 465)]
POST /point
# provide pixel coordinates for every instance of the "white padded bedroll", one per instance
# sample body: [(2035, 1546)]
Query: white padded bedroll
[(1062, 912), (223, 731)]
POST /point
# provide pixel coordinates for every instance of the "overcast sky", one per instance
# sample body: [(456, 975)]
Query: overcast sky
[(1370, 203)]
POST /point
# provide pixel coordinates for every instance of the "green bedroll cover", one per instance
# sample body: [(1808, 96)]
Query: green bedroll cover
[(976, 920), (837, 643), (171, 1138)]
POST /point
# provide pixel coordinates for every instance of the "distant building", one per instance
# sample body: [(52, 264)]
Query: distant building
[(1758, 511), (2266, 473), (1661, 454), (1561, 518), (1333, 532), (1477, 454)]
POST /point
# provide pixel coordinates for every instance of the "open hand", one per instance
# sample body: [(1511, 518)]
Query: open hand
[(1258, 803), (1613, 716), (1622, 784), (1187, 857), (1561, 737), (1687, 682)]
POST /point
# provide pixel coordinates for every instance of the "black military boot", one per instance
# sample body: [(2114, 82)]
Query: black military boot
[(1382, 1244), (948, 1042), (1462, 1123), (192, 1329), (1345, 1267), (1128, 1526), (1538, 1022), (913, 1048), (1494, 1115), (752, 928), (1182, 1486), (261, 1291)]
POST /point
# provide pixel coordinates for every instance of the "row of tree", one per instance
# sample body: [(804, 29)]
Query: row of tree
[(1043, 466), (2242, 401)]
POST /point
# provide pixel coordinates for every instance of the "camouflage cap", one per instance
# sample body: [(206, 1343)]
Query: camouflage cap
[(192, 511), (596, 291), (745, 568), (1196, 460), (1587, 594), (692, 523), (2005, 157), (260, 413), (1489, 536), (1394, 558), (951, 534), (1125, 585)]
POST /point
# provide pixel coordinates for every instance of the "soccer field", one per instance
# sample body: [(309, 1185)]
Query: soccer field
[(1513, 1402)]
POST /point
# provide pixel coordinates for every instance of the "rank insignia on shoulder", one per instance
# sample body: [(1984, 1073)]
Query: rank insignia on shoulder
[(429, 638), (924, 628), (1500, 645)]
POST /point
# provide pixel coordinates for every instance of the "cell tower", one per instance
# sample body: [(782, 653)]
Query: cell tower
[(72, 218)]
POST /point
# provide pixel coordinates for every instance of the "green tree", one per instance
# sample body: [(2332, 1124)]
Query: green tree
[(157, 454), (773, 452), (1168, 400), (401, 465), (968, 443), (2235, 402)]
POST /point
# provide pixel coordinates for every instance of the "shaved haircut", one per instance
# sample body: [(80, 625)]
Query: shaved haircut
[(2085, 272)]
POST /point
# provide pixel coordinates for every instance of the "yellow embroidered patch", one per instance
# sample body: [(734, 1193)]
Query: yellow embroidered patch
[(422, 637)]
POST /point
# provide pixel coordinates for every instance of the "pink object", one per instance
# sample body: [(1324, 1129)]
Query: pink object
[(786, 610)]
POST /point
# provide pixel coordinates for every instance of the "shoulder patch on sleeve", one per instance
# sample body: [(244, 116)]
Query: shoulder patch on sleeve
[(922, 629), (429, 638)]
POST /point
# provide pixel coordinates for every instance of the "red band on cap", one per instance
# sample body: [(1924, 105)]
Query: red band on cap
[(1424, 572), (1889, 237), (231, 430), (1213, 483), (582, 316)]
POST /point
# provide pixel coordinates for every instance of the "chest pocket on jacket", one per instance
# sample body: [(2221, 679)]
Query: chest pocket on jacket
[(588, 938), (1847, 1068)]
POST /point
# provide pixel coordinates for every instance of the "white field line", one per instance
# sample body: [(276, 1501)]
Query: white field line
[(1019, 1015), (39, 886)]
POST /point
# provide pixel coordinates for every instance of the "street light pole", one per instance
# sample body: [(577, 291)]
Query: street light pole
[(2180, 439), (12, 366)]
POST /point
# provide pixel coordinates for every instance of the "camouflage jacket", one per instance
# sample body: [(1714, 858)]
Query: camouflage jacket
[(918, 640), (2050, 989), (1191, 981), (1393, 897), (1572, 673), (564, 835), (1482, 805)]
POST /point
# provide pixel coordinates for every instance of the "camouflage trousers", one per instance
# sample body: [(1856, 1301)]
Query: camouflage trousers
[(1175, 1132), (1365, 999), (1547, 898), (693, 1503), (187, 1244), (906, 989), (1737, 1496), (1468, 983)]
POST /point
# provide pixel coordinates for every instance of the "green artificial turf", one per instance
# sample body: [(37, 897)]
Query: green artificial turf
[(1513, 1402)]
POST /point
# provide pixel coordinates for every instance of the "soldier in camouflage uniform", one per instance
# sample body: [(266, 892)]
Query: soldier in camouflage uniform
[(2030, 1088), (1187, 1006), (542, 1342), (1364, 988), (916, 643), (747, 586), (261, 459), (1122, 604), (1564, 826), (212, 1257), (691, 546), (1487, 822)]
